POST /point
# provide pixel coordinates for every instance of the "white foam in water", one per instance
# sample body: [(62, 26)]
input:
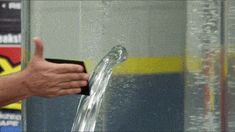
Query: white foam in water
[(88, 108)]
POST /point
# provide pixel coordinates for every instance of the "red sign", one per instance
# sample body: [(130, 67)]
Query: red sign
[(10, 57)]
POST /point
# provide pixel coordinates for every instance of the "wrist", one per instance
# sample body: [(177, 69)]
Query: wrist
[(24, 83)]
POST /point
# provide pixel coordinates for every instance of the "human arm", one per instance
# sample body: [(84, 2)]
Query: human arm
[(42, 78)]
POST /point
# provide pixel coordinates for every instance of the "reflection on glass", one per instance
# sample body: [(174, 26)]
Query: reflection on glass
[(230, 52), (88, 108), (203, 52)]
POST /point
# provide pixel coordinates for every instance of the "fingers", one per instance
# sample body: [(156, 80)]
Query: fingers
[(73, 77), (38, 47), (68, 68), (73, 84), (67, 88)]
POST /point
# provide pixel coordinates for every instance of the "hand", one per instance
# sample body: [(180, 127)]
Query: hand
[(48, 79)]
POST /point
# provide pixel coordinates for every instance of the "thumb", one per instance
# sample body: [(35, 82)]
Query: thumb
[(38, 47)]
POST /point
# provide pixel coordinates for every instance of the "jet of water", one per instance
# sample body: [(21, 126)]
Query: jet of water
[(88, 108)]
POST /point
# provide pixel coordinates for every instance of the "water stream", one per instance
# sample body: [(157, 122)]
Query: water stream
[(88, 108)]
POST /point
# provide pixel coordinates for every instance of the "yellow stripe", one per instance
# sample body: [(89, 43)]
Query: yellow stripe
[(157, 65), (193, 63), (15, 106), (150, 65), (146, 65)]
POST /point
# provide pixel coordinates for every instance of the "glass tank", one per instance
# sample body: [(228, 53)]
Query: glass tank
[(179, 74)]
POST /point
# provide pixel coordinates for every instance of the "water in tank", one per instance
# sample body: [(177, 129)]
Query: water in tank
[(178, 75)]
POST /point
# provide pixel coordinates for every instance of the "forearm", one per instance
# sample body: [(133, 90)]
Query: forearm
[(13, 88)]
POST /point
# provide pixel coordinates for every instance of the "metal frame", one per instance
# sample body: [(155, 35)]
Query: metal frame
[(25, 50)]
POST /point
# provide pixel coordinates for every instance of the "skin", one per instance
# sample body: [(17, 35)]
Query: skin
[(42, 78)]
